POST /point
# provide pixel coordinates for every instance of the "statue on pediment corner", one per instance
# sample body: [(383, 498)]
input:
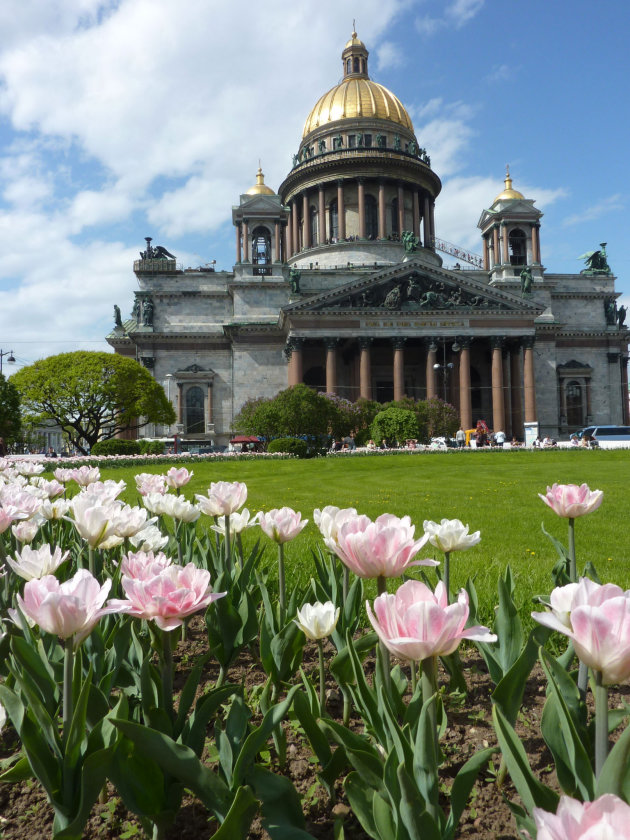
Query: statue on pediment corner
[(596, 261)]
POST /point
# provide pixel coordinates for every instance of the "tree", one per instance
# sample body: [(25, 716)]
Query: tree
[(395, 425), (10, 417), (441, 417), (298, 411), (92, 396)]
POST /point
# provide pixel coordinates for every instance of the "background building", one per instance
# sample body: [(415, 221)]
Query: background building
[(338, 283)]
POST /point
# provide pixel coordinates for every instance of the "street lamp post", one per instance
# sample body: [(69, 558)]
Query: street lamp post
[(10, 358), (446, 368), (168, 377)]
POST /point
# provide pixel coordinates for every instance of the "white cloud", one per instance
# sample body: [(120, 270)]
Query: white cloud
[(456, 13), (389, 55), (444, 130), (606, 205)]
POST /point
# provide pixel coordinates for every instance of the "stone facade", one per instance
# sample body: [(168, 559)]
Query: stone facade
[(324, 291)]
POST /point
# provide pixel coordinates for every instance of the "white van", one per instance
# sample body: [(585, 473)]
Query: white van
[(608, 436)]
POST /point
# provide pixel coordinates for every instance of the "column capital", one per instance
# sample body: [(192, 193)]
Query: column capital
[(365, 342), (398, 342), (497, 342), (464, 341), (528, 341), (331, 343), (292, 343), (431, 344)]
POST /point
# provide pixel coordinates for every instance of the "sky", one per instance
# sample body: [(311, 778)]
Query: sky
[(131, 118)]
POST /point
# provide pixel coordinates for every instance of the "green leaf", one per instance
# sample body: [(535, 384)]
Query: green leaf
[(19, 771), (44, 766), (39, 670), (425, 758), (181, 762), (317, 739), (239, 818), (361, 799), (92, 779), (341, 665), (77, 730), (280, 804), (383, 816), (364, 757), (415, 817), (508, 694), (194, 732), (615, 774), (532, 792), (188, 692)]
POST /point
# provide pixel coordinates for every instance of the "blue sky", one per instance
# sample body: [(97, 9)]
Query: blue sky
[(134, 118)]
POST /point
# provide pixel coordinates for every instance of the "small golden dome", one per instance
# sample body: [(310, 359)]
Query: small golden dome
[(260, 188), (357, 97), (508, 193), (355, 41)]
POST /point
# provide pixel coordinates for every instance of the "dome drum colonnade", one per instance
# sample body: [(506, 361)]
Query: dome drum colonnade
[(510, 386), (359, 172)]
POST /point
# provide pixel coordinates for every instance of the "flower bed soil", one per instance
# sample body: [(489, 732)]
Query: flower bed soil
[(25, 813)]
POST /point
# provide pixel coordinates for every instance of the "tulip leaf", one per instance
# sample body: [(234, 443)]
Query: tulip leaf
[(463, 785), (383, 815), (258, 738), (75, 737), (139, 780), (13, 705), (420, 824), (341, 665), (361, 799), (194, 731), (92, 778), (44, 766), (615, 774), (364, 757), (39, 670), (508, 694), (532, 792), (317, 739), (239, 818), (280, 804), (425, 757), (180, 762), (19, 771), (188, 692)]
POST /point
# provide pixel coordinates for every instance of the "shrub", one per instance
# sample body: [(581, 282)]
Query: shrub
[(152, 447), (294, 446), (116, 446), (394, 425)]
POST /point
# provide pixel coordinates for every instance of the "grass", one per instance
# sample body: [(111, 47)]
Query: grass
[(494, 492)]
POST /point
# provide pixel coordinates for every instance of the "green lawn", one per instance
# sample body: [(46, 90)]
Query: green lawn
[(494, 492)]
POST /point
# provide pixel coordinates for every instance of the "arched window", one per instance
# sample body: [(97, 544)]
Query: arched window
[(333, 215), (575, 407), (518, 247), (194, 411), (395, 230), (313, 225), (357, 66), (261, 250), (371, 217), (349, 66)]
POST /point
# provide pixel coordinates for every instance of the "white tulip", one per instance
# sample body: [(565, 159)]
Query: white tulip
[(317, 620)]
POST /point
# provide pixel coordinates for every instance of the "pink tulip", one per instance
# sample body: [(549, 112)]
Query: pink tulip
[(169, 597), (383, 548), (571, 501), (416, 623), (329, 520), (607, 818), (69, 609), (85, 475), (147, 483), (95, 520), (26, 531), (597, 620), (283, 524), (224, 498), (176, 478), (141, 565)]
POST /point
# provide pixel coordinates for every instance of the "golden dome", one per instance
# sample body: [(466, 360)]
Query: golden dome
[(355, 41), (508, 193), (260, 188), (357, 97)]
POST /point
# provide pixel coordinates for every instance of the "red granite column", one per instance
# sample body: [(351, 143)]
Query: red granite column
[(486, 254), (426, 220), (507, 403), (245, 241), (331, 365), (465, 396), (306, 222), (624, 390), (238, 244), (535, 244), (322, 216), (431, 379), (209, 413), (399, 368), (530, 381), (498, 417), (382, 223), (506, 250), (432, 223), (365, 371), (289, 234), (361, 200), (416, 214), (341, 211), (496, 254), (401, 209), (278, 234), (295, 225), (516, 392), (295, 371)]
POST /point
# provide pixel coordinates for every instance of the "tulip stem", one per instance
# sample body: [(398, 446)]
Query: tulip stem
[(68, 670), (228, 546), (447, 575), (572, 563), (345, 582), (381, 587), (601, 723), (167, 674), (281, 583), (322, 678), (91, 559), (414, 677)]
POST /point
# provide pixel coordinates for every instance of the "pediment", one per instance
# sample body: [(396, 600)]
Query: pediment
[(260, 203), (414, 287)]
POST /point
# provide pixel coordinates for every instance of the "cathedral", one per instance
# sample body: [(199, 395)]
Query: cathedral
[(338, 283)]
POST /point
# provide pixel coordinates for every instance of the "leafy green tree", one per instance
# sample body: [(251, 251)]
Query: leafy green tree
[(344, 416), (295, 412), (10, 416), (394, 425), (92, 395), (441, 417)]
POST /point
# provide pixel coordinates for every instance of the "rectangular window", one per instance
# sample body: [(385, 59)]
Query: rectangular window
[(367, 139), (352, 141)]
